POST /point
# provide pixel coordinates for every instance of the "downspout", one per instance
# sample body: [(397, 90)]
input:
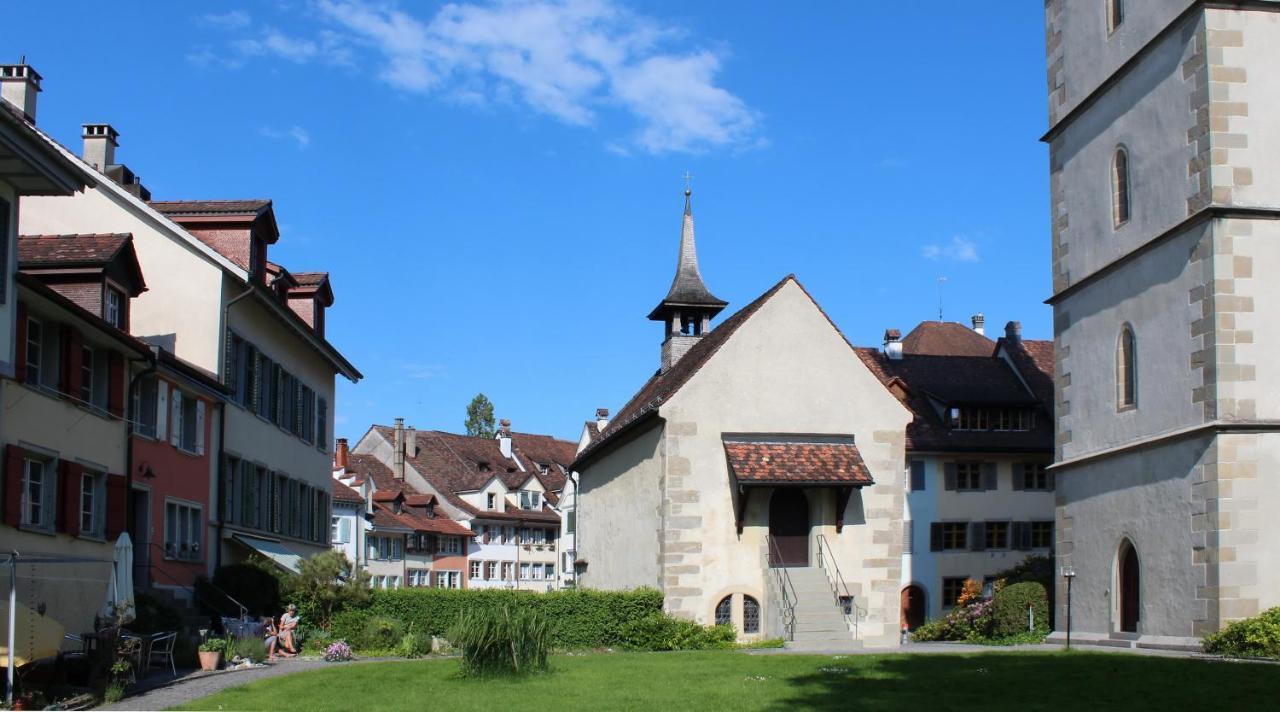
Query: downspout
[(130, 417), (219, 480)]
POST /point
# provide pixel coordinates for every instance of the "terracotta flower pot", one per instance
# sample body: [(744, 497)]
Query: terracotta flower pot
[(209, 660)]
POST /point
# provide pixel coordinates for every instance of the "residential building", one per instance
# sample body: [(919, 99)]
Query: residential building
[(504, 489), (216, 302), (762, 456), (979, 498), (1163, 209)]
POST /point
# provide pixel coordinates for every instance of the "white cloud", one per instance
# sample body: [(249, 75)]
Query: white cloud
[(230, 20), (569, 59), (425, 371), (295, 133), (958, 249)]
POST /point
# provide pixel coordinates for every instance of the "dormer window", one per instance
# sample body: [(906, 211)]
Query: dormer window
[(484, 466), (491, 501), (530, 499), (113, 308)]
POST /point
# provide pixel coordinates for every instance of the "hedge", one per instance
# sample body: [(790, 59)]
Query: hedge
[(579, 618), (1009, 616), (1257, 637)]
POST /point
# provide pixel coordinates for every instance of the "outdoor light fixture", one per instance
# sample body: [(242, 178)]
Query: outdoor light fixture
[(1068, 573)]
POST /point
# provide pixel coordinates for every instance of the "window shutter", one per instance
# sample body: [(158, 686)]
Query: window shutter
[(935, 536), (277, 380), (12, 485), (255, 366), (162, 411), (69, 375), (229, 363), (322, 425), (989, 481), (115, 383), (69, 494), (199, 427), (917, 476), (116, 491), (949, 476), (229, 467), (977, 536), (1049, 479), (1019, 475), (908, 540), (20, 345), (175, 426), (1019, 534)]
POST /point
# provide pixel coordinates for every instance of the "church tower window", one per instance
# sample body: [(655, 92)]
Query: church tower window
[(1115, 15), (1126, 370), (1120, 187)]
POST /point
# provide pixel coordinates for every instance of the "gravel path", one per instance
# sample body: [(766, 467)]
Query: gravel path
[(197, 684)]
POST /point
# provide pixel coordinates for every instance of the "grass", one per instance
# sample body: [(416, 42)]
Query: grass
[(738, 681)]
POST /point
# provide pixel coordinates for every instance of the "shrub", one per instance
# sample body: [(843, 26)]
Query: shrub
[(414, 645), (253, 586), (337, 652), (970, 623), (1038, 568), (1009, 616), (327, 584), (247, 647), (496, 642), (663, 632), (1257, 637), (381, 633), (579, 618)]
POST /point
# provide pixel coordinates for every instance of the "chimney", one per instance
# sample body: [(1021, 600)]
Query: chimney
[(100, 142), (19, 84), (1013, 332), (979, 323), (340, 454), (602, 418), (504, 437), (893, 344), (397, 456)]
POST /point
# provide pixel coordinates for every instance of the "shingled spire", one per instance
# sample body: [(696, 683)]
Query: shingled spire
[(689, 306)]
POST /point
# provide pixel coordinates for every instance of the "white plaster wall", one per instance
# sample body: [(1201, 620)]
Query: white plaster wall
[(1151, 294), (351, 514), (787, 369), (1091, 54), (185, 287), (1144, 495), (1259, 528), (7, 311), (1261, 92), (1264, 353), (619, 520), (53, 424), (1147, 112)]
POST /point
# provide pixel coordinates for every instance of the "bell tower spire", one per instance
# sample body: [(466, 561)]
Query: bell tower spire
[(689, 306)]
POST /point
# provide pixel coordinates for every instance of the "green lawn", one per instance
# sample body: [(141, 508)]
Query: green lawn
[(738, 681)]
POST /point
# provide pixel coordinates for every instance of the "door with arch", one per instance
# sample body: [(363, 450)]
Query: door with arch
[(1130, 588), (913, 607), (789, 527)]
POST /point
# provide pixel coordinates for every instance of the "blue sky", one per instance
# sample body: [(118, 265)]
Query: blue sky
[(496, 188)]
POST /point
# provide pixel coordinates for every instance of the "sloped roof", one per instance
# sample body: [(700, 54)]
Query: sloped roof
[(342, 493), (368, 467), (946, 338), (772, 461), (89, 249), (1034, 360), (687, 287), (252, 206)]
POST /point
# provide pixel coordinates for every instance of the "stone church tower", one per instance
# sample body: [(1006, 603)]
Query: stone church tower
[(1165, 216)]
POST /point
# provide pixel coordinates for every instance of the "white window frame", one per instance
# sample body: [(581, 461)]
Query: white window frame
[(34, 375), (95, 485), (113, 307), (179, 530), (45, 508), (475, 569)]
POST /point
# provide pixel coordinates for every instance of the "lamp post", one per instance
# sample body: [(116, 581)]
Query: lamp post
[(1068, 573)]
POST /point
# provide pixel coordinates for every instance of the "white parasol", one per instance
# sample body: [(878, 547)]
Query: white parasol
[(120, 589)]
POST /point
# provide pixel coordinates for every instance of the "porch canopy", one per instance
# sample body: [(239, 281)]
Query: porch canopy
[(794, 460), (278, 553)]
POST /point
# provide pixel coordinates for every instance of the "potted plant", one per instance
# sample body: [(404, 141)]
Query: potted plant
[(211, 653)]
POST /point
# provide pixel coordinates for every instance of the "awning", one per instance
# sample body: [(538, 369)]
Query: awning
[(281, 555)]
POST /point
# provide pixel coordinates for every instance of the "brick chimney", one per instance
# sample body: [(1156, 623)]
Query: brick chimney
[(397, 455), (504, 437), (19, 85), (1013, 332), (893, 344), (100, 142), (979, 323), (602, 418), (340, 454)]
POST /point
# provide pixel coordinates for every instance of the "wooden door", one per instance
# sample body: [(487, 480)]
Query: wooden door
[(912, 607), (1129, 589), (789, 528)]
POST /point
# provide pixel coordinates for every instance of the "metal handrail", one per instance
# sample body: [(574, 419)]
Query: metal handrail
[(838, 587), (786, 588), (151, 566)]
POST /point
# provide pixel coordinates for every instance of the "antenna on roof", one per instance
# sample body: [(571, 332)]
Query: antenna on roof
[(941, 281)]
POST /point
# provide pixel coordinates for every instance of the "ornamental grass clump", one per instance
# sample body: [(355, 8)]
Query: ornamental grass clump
[(499, 642)]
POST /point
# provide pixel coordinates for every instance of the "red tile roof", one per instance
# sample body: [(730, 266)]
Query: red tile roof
[(514, 515), (97, 248), (1034, 360), (822, 461), (342, 493), (946, 338), (311, 279), (210, 207)]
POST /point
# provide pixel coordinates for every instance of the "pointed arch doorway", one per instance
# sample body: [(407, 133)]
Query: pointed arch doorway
[(1130, 587), (789, 527), (913, 607)]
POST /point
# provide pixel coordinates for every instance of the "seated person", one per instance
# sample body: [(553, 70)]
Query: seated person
[(288, 626), (271, 635)]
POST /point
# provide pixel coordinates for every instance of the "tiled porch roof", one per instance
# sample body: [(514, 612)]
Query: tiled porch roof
[(796, 460)]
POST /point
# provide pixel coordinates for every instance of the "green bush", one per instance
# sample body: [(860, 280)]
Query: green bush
[(1257, 637), (152, 616), (380, 633), (502, 641), (251, 647), (1038, 568), (579, 618), (414, 645), (663, 632), (327, 584), (1009, 616)]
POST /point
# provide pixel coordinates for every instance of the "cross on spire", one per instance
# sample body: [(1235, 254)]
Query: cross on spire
[(688, 182)]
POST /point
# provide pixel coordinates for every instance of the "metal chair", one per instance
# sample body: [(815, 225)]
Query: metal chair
[(162, 648)]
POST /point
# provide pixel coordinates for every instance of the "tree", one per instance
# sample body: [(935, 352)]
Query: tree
[(327, 583), (480, 417)]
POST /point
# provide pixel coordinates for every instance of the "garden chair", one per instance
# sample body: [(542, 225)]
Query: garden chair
[(162, 649)]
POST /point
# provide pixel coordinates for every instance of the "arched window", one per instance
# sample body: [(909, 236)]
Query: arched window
[(724, 611), (1126, 369), (750, 615), (1115, 14), (1120, 187)]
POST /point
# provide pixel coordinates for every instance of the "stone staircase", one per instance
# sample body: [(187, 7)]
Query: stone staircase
[(820, 624)]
